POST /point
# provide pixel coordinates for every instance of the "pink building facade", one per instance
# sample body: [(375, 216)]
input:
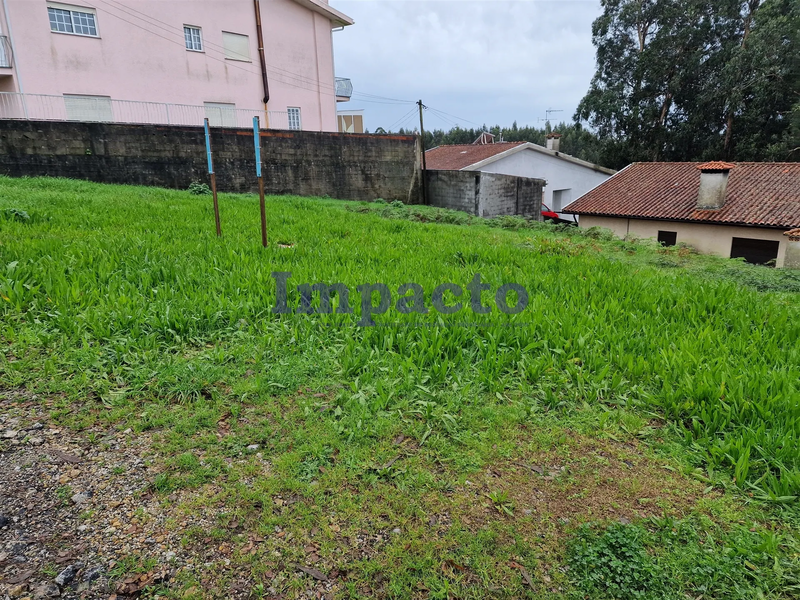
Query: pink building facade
[(101, 59)]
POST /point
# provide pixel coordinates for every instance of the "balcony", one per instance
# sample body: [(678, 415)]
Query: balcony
[(5, 52), (344, 89)]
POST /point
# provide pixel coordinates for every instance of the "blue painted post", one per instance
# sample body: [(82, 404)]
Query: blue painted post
[(257, 142), (213, 178)]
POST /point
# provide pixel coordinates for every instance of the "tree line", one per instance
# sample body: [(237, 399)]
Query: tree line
[(682, 80)]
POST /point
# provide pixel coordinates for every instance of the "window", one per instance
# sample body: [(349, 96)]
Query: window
[(194, 40), (88, 108), (294, 117), (236, 46), (74, 20), (759, 252), (668, 238), (560, 199), (221, 114)]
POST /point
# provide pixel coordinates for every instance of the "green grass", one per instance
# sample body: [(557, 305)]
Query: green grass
[(121, 305)]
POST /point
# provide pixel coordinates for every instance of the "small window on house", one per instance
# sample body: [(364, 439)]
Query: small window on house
[(668, 238), (221, 114), (759, 252), (72, 19), (88, 108), (194, 38), (236, 46), (294, 118), (560, 199)]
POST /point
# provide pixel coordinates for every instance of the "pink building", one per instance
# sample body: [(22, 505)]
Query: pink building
[(172, 61)]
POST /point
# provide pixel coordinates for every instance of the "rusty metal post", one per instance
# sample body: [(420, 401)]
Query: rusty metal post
[(213, 177), (259, 174)]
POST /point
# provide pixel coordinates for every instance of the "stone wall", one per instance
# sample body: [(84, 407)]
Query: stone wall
[(485, 194), (306, 163)]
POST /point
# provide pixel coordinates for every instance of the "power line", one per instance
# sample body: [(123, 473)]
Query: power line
[(455, 117), (384, 98), (403, 119), (444, 119)]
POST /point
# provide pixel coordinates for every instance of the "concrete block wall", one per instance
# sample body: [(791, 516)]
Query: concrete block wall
[(455, 190), (306, 163), (485, 194)]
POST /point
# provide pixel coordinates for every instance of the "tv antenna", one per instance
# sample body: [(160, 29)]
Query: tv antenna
[(550, 111)]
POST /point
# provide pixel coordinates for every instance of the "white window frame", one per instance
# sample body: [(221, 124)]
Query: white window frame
[(74, 12), (230, 54), (298, 126), (190, 30)]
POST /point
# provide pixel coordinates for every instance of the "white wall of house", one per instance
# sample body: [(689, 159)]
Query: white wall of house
[(704, 237), (566, 181)]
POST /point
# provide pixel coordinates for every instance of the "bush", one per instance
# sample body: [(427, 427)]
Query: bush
[(15, 214), (599, 233), (197, 188)]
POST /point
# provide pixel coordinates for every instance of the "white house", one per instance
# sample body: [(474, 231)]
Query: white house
[(567, 177)]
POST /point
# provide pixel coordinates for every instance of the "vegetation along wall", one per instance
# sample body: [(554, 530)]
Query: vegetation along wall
[(307, 163)]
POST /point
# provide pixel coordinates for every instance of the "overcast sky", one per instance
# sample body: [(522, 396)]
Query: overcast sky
[(490, 61)]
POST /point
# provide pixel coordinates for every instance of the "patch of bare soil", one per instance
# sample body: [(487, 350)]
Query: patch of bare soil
[(600, 480)]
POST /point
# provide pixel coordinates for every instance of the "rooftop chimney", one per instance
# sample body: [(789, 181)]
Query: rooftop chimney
[(554, 141), (713, 185)]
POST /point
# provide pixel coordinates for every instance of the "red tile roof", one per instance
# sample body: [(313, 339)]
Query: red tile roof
[(766, 194), (716, 165), (457, 157), (794, 234)]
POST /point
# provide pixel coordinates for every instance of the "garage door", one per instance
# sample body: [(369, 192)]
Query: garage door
[(758, 252)]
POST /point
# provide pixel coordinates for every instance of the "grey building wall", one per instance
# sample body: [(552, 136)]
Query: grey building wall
[(346, 166), (485, 194)]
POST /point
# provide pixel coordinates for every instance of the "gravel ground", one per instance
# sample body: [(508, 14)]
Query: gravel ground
[(74, 507)]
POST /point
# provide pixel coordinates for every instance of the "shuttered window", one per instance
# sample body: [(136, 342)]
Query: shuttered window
[(220, 114), (88, 108), (237, 46)]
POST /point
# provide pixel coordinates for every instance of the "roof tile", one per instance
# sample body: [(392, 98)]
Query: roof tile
[(716, 165), (766, 194), (459, 156)]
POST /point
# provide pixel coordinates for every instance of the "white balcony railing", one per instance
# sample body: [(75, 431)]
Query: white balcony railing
[(42, 107), (5, 52)]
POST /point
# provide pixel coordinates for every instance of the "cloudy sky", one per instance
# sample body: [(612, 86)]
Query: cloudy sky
[(489, 61)]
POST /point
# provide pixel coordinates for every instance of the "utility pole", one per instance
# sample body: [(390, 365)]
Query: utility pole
[(424, 163)]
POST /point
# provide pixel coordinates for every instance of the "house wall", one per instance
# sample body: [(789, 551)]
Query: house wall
[(485, 194), (706, 238), (792, 258), (558, 173), (306, 163), (145, 59)]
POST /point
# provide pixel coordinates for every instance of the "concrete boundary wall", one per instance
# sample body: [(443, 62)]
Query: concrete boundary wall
[(485, 194), (306, 163)]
